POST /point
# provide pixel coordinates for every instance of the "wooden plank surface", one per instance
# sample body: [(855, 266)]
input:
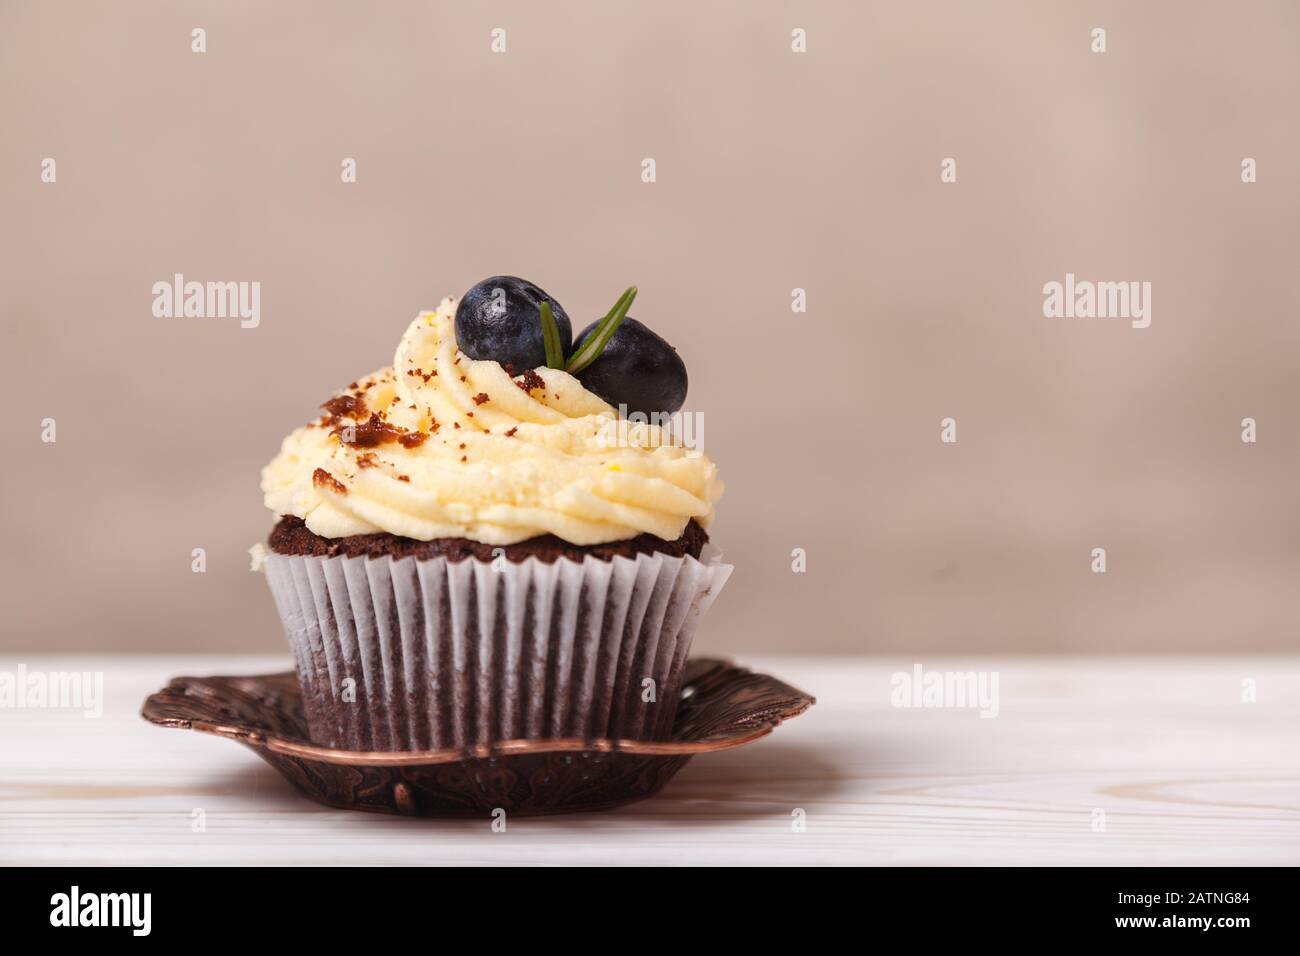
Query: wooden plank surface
[(1183, 769)]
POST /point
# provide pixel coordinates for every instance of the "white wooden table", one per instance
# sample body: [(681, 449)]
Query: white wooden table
[(1183, 770)]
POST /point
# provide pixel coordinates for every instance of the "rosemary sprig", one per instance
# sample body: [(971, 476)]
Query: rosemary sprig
[(598, 339), (551, 338)]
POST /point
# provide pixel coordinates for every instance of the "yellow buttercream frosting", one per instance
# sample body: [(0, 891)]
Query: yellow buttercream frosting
[(443, 446)]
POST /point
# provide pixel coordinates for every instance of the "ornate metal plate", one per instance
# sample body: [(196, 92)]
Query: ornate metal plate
[(722, 706)]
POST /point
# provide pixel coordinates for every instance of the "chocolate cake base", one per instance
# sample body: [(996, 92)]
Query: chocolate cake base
[(291, 536)]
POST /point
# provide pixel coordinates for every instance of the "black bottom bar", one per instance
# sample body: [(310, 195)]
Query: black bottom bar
[(338, 905)]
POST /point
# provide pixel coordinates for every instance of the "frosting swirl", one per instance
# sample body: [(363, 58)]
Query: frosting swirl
[(443, 446)]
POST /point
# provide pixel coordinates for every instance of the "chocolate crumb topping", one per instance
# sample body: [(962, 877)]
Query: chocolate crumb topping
[(345, 406), (412, 439), (323, 479), (531, 381), (373, 431), (511, 433), (480, 398)]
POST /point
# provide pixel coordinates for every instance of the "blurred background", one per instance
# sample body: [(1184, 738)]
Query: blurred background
[(775, 171)]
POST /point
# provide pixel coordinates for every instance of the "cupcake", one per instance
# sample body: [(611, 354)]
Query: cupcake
[(496, 538)]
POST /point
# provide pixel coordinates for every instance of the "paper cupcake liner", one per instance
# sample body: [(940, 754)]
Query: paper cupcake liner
[(415, 654)]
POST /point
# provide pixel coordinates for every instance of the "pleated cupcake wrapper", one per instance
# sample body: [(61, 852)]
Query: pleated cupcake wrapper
[(414, 654)]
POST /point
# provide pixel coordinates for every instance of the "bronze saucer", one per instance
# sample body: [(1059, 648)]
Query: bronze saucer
[(723, 706)]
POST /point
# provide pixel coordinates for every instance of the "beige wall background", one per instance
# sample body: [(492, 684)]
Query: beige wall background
[(775, 171)]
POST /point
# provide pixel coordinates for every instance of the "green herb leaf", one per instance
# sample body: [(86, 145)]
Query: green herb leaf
[(598, 339), (551, 338)]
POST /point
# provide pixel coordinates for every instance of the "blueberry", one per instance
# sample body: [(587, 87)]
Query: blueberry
[(500, 319), (637, 369)]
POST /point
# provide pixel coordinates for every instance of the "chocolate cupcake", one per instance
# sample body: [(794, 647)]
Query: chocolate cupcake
[(465, 555)]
